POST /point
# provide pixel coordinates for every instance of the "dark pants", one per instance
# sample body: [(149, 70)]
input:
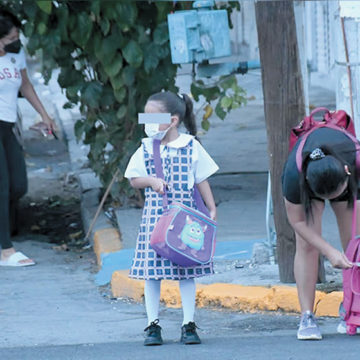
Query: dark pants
[(13, 180)]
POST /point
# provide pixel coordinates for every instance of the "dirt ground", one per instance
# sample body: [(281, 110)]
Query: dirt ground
[(51, 206)]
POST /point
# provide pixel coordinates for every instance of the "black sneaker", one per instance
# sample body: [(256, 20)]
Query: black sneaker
[(153, 334), (189, 335)]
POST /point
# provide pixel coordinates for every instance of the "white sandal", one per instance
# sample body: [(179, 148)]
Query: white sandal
[(14, 260)]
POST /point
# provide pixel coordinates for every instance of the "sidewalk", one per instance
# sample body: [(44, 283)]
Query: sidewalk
[(242, 281)]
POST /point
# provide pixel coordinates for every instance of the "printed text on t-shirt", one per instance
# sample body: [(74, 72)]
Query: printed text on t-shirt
[(6, 73)]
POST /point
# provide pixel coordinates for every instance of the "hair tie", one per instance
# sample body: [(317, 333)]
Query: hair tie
[(317, 154), (181, 96)]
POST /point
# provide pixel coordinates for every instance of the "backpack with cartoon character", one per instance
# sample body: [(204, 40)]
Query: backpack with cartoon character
[(182, 234)]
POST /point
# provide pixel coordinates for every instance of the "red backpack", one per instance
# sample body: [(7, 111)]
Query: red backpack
[(337, 120), (341, 121)]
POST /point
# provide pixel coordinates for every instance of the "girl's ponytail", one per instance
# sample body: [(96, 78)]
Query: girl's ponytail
[(180, 105), (189, 117)]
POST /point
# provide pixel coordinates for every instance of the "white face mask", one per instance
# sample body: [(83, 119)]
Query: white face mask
[(152, 131)]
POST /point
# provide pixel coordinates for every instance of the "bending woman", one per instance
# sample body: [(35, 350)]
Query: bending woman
[(328, 173)]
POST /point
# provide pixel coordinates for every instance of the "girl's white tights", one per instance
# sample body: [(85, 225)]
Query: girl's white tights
[(152, 299), (188, 293)]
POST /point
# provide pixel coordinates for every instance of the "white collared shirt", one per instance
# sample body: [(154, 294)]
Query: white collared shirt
[(203, 166)]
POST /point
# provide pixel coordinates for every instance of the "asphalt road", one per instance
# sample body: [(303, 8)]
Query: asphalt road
[(263, 345), (55, 311)]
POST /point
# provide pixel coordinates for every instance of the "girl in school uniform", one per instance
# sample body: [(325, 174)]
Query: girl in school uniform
[(185, 163)]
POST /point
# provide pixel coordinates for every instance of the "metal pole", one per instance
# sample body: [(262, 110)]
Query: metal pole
[(347, 66)]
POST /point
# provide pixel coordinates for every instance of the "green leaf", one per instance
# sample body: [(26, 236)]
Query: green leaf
[(120, 94), (69, 77), (108, 10), (29, 28), (95, 7), (163, 9), (105, 49), (234, 105), (219, 111), (117, 82), (225, 102), (107, 97), (41, 28), (161, 34), (83, 30), (151, 59), (205, 124), (114, 68), (195, 91), (91, 95), (45, 5), (128, 75), (68, 105), (79, 129), (126, 13), (163, 51), (72, 91), (121, 112), (33, 44), (228, 82), (30, 9), (133, 54), (105, 26)]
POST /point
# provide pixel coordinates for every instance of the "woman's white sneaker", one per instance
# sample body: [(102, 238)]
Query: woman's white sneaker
[(308, 328)]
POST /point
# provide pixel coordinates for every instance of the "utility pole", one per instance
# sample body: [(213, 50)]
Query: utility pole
[(347, 59), (284, 108)]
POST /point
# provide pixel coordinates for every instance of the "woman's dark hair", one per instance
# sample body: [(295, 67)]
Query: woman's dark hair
[(176, 105), (7, 22), (323, 176)]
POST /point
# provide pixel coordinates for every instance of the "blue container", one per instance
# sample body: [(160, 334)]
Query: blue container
[(200, 35)]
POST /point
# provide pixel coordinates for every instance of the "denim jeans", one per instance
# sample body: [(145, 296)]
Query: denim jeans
[(13, 179)]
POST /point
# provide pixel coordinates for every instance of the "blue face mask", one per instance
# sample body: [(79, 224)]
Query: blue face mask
[(13, 47)]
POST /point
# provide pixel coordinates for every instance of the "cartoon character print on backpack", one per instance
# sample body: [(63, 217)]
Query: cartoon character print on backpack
[(192, 235)]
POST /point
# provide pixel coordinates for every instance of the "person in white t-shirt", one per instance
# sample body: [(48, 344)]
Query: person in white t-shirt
[(185, 164), (13, 181)]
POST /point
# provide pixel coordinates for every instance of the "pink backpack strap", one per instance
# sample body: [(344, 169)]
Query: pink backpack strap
[(353, 227), (301, 147), (319, 109), (331, 126), (308, 120), (159, 169), (354, 280)]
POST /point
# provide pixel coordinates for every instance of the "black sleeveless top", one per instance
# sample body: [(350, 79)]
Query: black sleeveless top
[(343, 145)]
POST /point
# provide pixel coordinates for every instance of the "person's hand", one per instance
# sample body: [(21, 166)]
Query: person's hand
[(339, 260), (50, 124), (45, 127), (213, 214), (158, 185)]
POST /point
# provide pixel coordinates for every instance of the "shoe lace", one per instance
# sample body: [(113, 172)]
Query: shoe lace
[(152, 327), (308, 320), (191, 327)]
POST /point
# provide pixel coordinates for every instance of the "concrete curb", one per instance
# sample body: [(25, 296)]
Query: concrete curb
[(107, 239), (230, 296), (104, 237)]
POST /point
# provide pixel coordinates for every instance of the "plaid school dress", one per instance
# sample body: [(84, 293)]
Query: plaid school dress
[(147, 265)]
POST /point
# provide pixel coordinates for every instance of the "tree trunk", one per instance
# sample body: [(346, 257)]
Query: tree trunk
[(284, 107)]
